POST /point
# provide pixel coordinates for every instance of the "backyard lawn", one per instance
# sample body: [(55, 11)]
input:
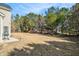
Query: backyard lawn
[(31, 44)]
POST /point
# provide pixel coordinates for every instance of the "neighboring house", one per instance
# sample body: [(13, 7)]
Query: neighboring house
[(5, 20)]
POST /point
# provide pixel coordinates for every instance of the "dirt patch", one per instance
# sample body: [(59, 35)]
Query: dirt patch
[(33, 44)]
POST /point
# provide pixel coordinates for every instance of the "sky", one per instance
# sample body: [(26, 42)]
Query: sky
[(37, 8)]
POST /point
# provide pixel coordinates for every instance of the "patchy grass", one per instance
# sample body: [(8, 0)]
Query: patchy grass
[(53, 49), (40, 45)]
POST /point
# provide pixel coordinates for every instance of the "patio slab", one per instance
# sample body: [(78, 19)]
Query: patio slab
[(9, 41)]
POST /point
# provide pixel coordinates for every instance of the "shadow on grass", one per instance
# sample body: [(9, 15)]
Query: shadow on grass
[(52, 49)]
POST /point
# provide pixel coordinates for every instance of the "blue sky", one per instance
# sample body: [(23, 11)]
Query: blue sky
[(38, 8)]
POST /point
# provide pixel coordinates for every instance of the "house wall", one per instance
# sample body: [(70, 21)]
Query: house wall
[(1, 29), (0, 26), (7, 19)]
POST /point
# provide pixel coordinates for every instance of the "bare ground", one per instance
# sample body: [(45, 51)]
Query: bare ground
[(37, 44)]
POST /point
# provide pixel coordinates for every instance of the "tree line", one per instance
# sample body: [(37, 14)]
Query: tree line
[(56, 20)]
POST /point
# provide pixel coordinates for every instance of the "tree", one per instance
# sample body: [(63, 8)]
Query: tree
[(74, 21), (50, 21), (24, 24), (56, 18), (40, 23), (62, 16), (16, 23)]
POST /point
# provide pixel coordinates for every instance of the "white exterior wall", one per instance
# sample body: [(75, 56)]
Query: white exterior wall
[(0, 27), (6, 21)]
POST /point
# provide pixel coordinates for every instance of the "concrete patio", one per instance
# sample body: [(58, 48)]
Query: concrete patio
[(9, 41)]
